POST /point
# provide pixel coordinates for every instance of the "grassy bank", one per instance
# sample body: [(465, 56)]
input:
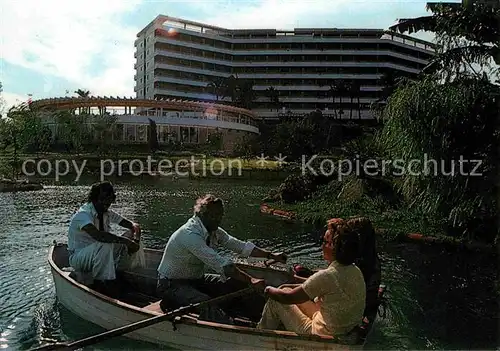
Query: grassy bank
[(390, 222), (160, 164), (372, 198)]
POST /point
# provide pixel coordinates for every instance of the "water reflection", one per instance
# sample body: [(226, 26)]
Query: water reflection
[(436, 299)]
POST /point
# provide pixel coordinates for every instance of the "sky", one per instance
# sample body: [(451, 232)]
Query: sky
[(51, 48)]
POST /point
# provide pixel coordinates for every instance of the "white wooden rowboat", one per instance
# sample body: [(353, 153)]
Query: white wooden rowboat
[(185, 332)]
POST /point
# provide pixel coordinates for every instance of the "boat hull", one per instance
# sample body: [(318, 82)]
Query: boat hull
[(188, 333)]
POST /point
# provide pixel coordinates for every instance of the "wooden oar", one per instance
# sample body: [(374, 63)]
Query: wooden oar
[(140, 324)]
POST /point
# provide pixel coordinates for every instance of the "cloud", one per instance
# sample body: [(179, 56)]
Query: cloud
[(63, 38), (272, 14), (7, 100), (289, 14)]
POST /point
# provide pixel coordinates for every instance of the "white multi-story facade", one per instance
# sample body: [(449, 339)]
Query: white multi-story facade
[(178, 59)]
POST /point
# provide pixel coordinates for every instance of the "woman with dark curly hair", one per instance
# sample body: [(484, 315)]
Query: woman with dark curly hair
[(329, 302), (367, 261)]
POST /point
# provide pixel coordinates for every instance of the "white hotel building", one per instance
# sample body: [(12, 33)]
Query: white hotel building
[(178, 59)]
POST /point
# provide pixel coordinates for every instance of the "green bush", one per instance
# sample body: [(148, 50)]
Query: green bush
[(447, 122)]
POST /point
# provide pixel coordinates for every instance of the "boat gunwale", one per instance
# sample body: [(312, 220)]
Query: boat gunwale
[(192, 321)]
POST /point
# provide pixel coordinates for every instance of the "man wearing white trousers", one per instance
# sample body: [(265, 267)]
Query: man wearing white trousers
[(92, 248)]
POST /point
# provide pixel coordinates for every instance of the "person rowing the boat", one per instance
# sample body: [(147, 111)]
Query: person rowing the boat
[(329, 302), (181, 273), (92, 248)]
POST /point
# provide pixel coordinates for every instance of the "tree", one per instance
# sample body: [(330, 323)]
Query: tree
[(230, 88), (389, 81), (214, 140), (153, 137), (247, 147), (338, 89), (10, 146), (83, 94), (2, 101), (73, 130), (350, 92), (356, 92), (245, 93), (21, 131), (447, 122), (466, 35), (239, 90), (274, 96), (218, 88), (102, 131), (33, 135)]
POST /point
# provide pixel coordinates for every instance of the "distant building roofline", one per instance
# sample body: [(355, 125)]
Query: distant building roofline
[(161, 19)]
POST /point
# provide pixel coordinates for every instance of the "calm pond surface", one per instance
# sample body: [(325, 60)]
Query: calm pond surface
[(437, 300)]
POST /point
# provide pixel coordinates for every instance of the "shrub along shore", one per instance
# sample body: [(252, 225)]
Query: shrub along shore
[(390, 231)]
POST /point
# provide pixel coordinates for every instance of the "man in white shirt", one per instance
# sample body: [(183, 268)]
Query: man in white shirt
[(92, 248), (190, 250)]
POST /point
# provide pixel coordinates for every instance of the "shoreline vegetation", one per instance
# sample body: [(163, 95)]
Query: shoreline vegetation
[(392, 234), (176, 165), (11, 186)]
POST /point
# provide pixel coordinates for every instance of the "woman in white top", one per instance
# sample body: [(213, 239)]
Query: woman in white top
[(332, 300)]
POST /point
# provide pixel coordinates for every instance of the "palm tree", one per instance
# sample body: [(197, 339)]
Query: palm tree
[(217, 88), (274, 96), (477, 23), (231, 88), (356, 92), (153, 136), (349, 91), (389, 82), (338, 88), (245, 93), (83, 94)]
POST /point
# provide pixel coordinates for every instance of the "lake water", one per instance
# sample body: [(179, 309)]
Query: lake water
[(437, 299)]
